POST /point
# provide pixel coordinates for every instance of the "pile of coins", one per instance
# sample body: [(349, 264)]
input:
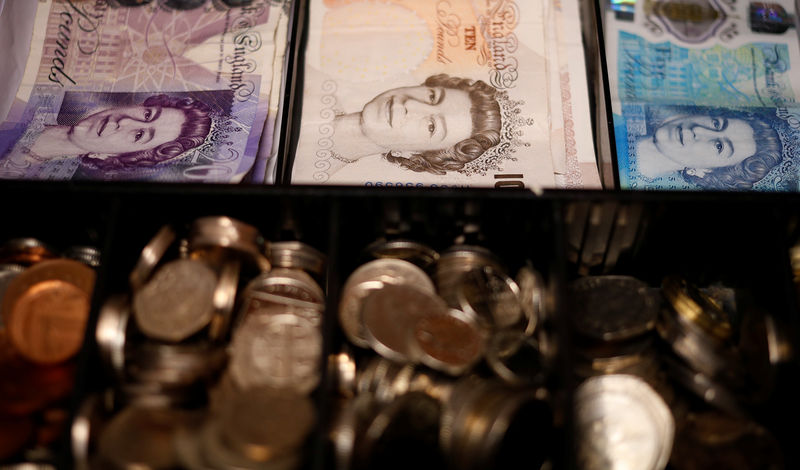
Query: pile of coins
[(214, 353), (44, 307), (462, 361), (678, 370)]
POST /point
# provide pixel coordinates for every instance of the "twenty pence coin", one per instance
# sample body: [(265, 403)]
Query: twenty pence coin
[(177, 302)]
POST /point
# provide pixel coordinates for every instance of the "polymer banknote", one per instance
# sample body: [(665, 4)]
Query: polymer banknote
[(142, 93), (410, 93), (704, 94)]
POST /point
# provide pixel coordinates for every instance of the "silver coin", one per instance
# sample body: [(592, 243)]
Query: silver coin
[(281, 286), (371, 276), (408, 250), (174, 365), (343, 370), (217, 455), (296, 255), (622, 423), (612, 308), (457, 260), (389, 315), (533, 297), (491, 296), (111, 333), (151, 429), (87, 255), (282, 351), (151, 255), (230, 234), (224, 299), (264, 424), (177, 302)]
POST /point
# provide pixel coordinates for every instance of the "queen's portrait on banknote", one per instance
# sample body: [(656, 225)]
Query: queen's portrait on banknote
[(434, 127), (708, 148), (109, 135), (159, 129)]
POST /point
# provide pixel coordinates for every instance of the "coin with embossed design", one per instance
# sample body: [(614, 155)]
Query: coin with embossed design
[(491, 296), (177, 302), (367, 278), (622, 423), (282, 351), (46, 308), (389, 315), (611, 308), (450, 341)]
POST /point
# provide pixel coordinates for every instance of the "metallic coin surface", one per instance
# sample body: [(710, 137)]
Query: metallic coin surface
[(265, 423), (151, 255), (87, 255), (230, 234), (457, 260), (491, 296), (697, 307), (281, 286), (153, 431), (408, 250), (25, 251), (389, 315), (450, 341), (177, 302), (45, 309), (622, 423), (111, 333), (224, 300), (296, 255), (612, 308), (533, 295), (282, 351), (371, 276)]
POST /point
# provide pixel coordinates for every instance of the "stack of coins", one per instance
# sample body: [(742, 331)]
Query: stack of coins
[(678, 364), (460, 364), (44, 308), (221, 374)]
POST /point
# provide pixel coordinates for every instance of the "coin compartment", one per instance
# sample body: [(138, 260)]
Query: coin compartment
[(698, 238), (715, 242)]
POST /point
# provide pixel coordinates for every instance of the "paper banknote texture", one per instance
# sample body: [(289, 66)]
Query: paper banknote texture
[(429, 93), (704, 94), (142, 93)]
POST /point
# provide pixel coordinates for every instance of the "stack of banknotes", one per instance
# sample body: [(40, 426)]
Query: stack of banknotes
[(447, 93), (145, 90), (704, 93)]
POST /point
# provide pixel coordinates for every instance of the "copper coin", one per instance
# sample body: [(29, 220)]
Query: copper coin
[(25, 251), (15, 432), (450, 342), (25, 387), (46, 309)]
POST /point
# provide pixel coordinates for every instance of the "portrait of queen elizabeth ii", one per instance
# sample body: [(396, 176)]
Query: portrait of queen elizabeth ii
[(437, 126)]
